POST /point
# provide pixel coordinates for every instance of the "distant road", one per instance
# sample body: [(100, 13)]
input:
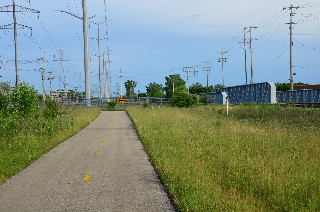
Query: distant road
[(102, 168)]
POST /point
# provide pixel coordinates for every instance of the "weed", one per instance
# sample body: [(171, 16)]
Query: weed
[(262, 158), (25, 139)]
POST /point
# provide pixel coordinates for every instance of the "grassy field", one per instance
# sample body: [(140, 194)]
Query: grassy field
[(24, 140), (260, 158)]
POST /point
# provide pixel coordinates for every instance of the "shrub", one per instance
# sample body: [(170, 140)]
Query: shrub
[(112, 105), (4, 97), (24, 99), (52, 109), (182, 98)]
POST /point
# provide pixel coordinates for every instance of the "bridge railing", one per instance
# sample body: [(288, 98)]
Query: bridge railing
[(299, 96)]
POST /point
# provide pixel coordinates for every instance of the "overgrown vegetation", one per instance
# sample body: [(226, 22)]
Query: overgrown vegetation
[(182, 98), (112, 105), (259, 158), (27, 131)]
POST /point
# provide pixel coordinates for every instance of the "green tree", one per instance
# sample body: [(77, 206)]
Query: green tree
[(130, 86), (197, 88), (182, 98), (173, 81), (218, 86), (286, 86), (24, 99), (155, 90)]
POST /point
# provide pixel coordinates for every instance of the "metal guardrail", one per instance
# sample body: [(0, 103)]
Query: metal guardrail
[(95, 102)]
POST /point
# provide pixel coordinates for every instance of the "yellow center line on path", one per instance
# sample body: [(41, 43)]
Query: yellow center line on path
[(87, 177)]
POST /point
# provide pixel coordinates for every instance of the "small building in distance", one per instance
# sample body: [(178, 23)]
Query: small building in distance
[(301, 87)]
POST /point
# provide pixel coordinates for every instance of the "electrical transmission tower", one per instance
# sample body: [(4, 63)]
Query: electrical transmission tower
[(208, 70), (61, 59), (187, 72), (107, 78), (15, 26), (85, 20), (245, 53), (50, 78), (121, 76), (43, 77), (100, 60), (291, 43), (251, 51), (222, 60)]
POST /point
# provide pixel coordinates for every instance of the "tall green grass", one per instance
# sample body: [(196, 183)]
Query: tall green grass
[(24, 139), (260, 158)]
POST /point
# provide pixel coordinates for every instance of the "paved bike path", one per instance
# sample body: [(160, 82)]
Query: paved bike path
[(102, 168)]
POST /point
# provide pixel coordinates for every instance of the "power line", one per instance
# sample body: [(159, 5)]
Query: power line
[(251, 51), (223, 60), (291, 23), (85, 20), (15, 9)]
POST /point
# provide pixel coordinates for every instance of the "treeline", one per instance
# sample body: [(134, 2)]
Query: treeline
[(173, 83), (287, 86)]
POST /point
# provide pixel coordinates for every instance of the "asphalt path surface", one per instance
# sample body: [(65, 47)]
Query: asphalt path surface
[(102, 168)]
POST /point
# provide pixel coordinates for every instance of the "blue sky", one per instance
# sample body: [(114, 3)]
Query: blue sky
[(153, 39)]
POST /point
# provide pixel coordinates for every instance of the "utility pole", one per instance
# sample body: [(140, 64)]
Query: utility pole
[(251, 51), (107, 78), (85, 19), (245, 54), (291, 44), (50, 78), (100, 60), (43, 77), (222, 60), (121, 76), (208, 70), (187, 72), (15, 9), (61, 59), (106, 83)]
